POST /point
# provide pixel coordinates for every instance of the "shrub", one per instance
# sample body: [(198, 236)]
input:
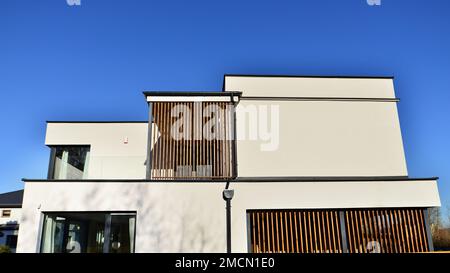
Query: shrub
[(5, 249)]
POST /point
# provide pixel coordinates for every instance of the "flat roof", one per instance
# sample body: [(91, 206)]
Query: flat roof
[(96, 121), (308, 76), (293, 179), (192, 93)]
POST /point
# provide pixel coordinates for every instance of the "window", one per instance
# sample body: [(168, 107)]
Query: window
[(69, 162), (11, 241), (6, 213), (90, 232)]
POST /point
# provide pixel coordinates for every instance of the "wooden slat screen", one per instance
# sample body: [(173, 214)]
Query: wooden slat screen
[(295, 231), (386, 231), (200, 153), (319, 231)]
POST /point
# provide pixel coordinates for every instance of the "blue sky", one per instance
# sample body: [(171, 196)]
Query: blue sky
[(91, 62)]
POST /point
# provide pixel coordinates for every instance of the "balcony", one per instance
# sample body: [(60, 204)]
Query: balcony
[(192, 138)]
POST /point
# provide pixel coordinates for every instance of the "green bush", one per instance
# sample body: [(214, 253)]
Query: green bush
[(5, 249)]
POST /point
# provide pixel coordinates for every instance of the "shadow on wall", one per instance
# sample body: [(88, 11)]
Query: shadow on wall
[(166, 223)]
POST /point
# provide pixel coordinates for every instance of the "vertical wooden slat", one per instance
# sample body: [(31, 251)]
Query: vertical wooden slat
[(405, 229), (382, 225), (259, 232), (190, 142), (417, 233), (286, 232), (159, 141), (424, 232), (278, 234), (254, 233), (164, 138), (291, 231), (419, 230), (338, 231), (227, 142), (269, 249), (361, 235), (394, 233), (324, 238), (402, 226), (412, 232), (310, 234), (315, 231), (305, 228), (370, 226), (330, 245), (376, 226), (221, 141), (401, 237), (297, 249), (155, 135), (214, 150), (263, 232), (389, 235), (387, 232), (273, 231), (351, 232), (336, 249), (283, 235), (169, 139)]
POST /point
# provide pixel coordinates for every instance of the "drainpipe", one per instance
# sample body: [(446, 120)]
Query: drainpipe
[(227, 195)]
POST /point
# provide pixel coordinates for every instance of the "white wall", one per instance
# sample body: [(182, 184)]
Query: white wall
[(190, 217), (16, 214), (109, 156), (311, 87), (325, 138), (319, 137)]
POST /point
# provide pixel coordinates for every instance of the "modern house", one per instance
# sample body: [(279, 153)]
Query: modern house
[(316, 164), (10, 213)]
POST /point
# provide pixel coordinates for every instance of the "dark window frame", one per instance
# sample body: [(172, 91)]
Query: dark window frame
[(8, 211), (52, 160), (11, 241), (107, 229)]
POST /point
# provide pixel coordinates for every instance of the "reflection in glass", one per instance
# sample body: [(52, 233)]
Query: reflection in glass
[(86, 232), (71, 162), (122, 233)]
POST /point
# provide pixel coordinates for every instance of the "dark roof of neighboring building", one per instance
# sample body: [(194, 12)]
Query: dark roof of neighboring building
[(11, 199)]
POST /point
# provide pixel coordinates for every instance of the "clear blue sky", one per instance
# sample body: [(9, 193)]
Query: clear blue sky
[(91, 62)]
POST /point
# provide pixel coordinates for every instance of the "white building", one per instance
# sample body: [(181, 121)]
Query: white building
[(316, 165), (10, 213)]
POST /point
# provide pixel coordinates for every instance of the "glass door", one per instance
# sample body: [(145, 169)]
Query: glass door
[(90, 232)]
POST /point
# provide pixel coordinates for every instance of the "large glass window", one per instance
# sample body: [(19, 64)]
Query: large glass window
[(88, 232), (70, 162)]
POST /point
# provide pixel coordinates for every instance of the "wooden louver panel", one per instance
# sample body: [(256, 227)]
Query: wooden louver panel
[(203, 151), (386, 231), (295, 231), (319, 231)]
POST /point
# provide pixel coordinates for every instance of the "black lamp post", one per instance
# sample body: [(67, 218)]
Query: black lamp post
[(227, 195)]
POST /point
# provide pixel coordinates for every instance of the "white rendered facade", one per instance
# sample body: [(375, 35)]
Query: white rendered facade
[(339, 146)]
